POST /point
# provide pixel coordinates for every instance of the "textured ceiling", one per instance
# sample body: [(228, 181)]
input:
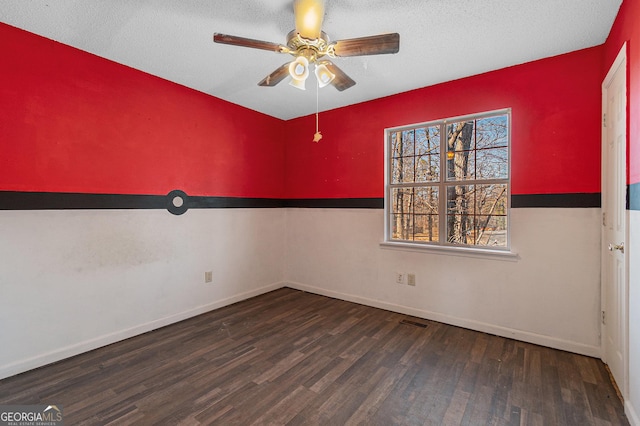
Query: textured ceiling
[(440, 40)]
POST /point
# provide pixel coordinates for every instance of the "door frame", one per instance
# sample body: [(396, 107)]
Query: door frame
[(620, 61)]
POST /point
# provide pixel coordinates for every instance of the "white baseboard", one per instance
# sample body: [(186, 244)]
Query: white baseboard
[(107, 339), (88, 345), (632, 414), (525, 336)]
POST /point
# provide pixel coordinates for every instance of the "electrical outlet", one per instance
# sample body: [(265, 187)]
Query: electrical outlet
[(399, 277), (411, 279), (208, 277)]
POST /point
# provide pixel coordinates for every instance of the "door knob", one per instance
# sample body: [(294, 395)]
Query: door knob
[(613, 247)]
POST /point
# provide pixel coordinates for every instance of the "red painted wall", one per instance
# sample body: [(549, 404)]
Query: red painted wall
[(626, 28), (555, 129), (73, 122)]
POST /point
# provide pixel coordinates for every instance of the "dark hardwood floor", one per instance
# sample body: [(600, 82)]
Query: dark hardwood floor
[(289, 357)]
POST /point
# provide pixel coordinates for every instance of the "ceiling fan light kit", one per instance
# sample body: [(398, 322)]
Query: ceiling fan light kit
[(323, 75), (309, 42), (299, 71)]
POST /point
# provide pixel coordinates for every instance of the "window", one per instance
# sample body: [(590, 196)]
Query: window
[(448, 182)]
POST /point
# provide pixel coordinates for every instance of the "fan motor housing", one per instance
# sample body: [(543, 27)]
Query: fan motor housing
[(312, 49)]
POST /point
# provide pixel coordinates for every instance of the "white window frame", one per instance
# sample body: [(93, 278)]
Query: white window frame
[(442, 246)]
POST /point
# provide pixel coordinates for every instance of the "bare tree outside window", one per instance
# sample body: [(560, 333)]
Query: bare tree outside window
[(449, 182)]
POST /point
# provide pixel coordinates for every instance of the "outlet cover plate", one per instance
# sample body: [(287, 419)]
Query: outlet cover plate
[(411, 279)]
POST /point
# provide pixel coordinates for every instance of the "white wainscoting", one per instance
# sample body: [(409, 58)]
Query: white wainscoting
[(75, 280), (632, 404), (549, 295)]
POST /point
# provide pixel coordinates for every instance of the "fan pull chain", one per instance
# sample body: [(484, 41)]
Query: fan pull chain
[(317, 136)]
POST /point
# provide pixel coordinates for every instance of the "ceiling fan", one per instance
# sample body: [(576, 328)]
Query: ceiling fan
[(308, 44)]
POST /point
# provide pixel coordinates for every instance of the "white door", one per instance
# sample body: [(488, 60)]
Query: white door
[(614, 278)]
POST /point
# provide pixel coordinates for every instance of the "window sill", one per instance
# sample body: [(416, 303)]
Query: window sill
[(452, 251)]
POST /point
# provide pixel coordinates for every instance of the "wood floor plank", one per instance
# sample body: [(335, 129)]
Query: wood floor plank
[(296, 358)]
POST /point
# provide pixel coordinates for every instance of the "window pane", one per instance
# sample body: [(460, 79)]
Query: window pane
[(460, 210), (428, 168), (426, 200), (460, 200), (491, 199), (402, 199), (397, 144), (460, 229), (461, 165), (461, 136), (426, 227), (402, 143), (428, 140), (425, 220), (492, 132), (491, 231), (402, 170), (402, 227), (493, 163)]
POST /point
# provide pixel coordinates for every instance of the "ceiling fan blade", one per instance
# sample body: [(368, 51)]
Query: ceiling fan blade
[(248, 42), (275, 77), (341, 81), (372, 45)]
